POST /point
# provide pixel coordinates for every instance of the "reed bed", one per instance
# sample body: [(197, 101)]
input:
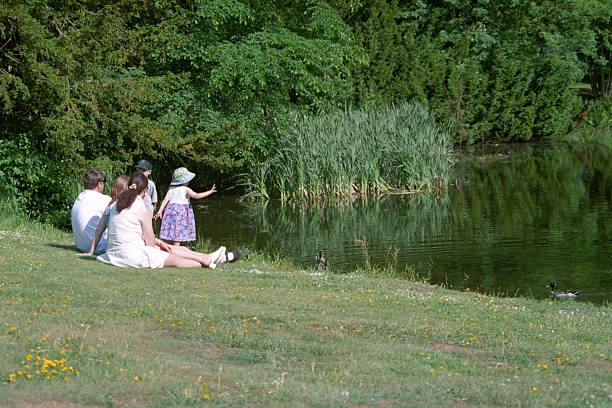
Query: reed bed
[(357, 152)]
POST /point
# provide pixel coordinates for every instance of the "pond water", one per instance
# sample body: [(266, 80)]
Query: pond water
[(515, 219)]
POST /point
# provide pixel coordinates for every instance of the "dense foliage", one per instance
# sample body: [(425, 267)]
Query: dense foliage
[(499, 70), (212, 84)]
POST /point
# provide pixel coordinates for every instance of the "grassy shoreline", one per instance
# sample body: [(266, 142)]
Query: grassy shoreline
[(260, 333)]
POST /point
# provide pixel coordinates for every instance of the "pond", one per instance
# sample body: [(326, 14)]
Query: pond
[(514, 219)]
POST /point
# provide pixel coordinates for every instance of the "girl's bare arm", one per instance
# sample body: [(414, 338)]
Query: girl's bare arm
[(203, 194), (160, 212), (147, 227)]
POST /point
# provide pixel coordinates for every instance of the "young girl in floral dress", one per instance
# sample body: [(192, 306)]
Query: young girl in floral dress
[(178, 222)]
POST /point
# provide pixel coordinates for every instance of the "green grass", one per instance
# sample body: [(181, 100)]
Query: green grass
[(260, 332), (602, 136)]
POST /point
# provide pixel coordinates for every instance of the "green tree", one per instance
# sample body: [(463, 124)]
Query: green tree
[(499, 70), (598, 54), (208, 84), (378, 31)]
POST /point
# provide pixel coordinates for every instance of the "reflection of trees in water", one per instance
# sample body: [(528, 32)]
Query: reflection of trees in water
[(543, 186), (530, 216), (342, 229), (554, 200)]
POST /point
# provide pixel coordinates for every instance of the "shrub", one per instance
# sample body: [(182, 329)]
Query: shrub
[(38, 185)]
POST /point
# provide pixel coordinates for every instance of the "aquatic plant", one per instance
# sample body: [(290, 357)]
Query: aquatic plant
[(356, 152)]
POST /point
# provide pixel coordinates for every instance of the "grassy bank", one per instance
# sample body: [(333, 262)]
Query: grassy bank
[(75, 332), (602, 136)]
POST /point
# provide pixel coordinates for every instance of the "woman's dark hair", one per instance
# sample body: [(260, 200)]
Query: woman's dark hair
[(138, 182)]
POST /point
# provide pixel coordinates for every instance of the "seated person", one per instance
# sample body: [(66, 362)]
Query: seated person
[(120, 184), (131, 242), (87, 211)]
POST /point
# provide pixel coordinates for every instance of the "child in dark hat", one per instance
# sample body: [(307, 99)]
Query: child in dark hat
[(150, 198)]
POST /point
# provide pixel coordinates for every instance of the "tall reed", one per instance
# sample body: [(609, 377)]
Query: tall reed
[(369, 151)]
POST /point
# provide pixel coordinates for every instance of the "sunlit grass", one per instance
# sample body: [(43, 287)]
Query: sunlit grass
[(260, 332)]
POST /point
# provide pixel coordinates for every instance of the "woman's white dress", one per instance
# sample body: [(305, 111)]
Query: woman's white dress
[(126, 246)]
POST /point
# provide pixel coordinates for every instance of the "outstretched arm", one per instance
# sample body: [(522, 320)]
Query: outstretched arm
[(203, 194), (160, 212)]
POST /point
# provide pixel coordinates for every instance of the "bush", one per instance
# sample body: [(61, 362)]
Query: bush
[(498, 73), (599, 113), (37, 184)]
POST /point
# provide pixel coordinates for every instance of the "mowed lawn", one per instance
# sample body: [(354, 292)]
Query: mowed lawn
[(78, 333)]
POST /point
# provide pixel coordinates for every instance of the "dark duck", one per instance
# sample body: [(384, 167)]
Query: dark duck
[(567, 295), (321, 261)]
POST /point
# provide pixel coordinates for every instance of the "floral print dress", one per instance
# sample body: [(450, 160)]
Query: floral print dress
[(178, 223)]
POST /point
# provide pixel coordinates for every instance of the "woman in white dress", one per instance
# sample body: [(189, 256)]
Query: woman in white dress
[(131, 242)]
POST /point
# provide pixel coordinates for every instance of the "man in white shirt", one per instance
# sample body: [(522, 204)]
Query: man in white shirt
[(87, 210)]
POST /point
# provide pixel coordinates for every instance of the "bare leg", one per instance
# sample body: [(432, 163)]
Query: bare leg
[(202, 259), (180, 262)]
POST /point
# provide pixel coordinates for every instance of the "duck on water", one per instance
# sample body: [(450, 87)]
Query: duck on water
[(567, 295)]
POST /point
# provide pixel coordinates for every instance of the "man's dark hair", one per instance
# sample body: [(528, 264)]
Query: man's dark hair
[(91, 178)]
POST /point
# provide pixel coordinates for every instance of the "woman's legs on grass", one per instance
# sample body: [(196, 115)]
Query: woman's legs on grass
[(180, 262), (184, 257)]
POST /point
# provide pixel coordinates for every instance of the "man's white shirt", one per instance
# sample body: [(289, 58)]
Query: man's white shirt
[(86, 213)]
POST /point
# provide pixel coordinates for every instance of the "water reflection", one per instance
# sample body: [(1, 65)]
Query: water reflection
[(517, 218)]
